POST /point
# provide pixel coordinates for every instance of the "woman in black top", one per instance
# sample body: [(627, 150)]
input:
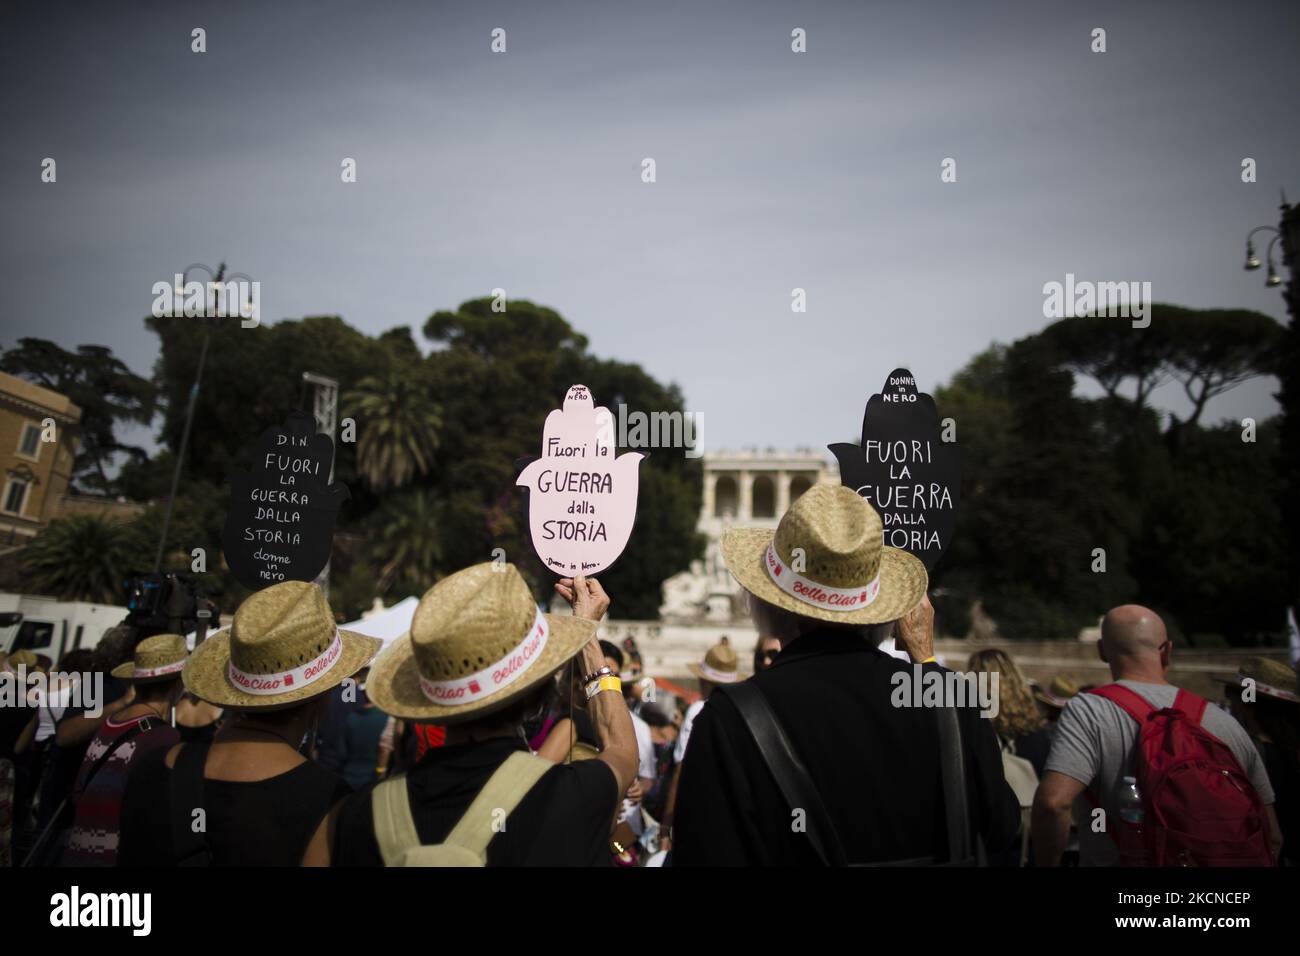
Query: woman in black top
[(260, 798)]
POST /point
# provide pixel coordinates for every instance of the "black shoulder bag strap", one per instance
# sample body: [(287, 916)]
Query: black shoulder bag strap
[(64, 815), (952, 763), (188, 847), (788, 770)]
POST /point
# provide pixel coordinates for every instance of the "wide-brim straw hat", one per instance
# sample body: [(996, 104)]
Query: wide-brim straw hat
[(1058, 693), (157, 658), (22, 658), (478, 641), (282, 648), (719, 666), (847, 575), (1272, 678)]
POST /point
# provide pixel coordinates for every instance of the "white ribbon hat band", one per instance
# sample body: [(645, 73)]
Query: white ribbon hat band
[(818, 595), (279, 682), (494, 677)]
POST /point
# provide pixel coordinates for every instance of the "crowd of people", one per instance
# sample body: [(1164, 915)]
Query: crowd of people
[(284, 740)]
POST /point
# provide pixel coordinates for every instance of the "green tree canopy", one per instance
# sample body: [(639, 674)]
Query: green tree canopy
[(1190, 527), (82, 558), (439, 438), (100, 384), (397, 425)]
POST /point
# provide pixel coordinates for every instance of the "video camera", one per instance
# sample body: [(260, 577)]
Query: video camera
[(163, 604)]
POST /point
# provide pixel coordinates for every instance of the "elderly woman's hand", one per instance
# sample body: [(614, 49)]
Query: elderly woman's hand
[(916, 631), (587, 597)]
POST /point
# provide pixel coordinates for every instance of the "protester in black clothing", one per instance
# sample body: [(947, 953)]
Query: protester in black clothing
[(848, 710), (480, 659), (260, 796)]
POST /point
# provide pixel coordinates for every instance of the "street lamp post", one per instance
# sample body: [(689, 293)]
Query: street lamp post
[(1287, 233), (214, 287)]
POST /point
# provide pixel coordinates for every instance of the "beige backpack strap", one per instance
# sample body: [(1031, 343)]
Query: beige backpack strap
[(496, 801), (395, 830)]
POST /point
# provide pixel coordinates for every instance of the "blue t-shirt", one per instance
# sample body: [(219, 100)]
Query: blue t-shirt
[(361, 732)]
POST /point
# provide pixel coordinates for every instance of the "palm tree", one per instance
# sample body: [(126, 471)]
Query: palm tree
[(398, 424), (82, 558), (405, 541)]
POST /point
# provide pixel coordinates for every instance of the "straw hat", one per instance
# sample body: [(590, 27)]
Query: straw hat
[(847, 575), (1058, 692), (478, 641), (719, 665), (156, 658), (282, 647), (1272, 678), (23, 658)]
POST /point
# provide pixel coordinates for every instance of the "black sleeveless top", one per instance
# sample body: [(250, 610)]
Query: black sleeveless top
[(259, 823)]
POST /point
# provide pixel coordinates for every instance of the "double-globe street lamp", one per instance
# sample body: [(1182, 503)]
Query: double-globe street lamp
[(1288, 233)]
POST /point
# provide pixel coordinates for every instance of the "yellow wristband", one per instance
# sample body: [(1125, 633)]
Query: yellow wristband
[(608, 682), (930, 660)]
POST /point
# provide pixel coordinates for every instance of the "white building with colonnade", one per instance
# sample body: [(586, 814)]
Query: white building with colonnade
[(744, 488)]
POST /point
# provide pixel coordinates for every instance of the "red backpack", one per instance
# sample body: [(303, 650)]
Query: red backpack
[(1199, 807)]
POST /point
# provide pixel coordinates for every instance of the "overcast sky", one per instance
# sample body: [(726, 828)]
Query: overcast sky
[(775, 170)]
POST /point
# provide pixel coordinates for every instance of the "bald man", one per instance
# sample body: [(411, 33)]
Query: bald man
[(1093, 744)]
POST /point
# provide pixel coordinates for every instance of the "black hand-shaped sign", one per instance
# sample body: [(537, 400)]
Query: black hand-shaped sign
[(281, 521), (905, 469)]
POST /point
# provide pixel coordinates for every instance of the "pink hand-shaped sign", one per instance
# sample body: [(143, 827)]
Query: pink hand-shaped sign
[(581, 496)]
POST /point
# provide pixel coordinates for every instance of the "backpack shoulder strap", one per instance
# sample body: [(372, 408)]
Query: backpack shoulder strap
[(186, 784), (1190, 704), (500, 795), (787, 769), (1131, 702), (390, 806), (133, 731)]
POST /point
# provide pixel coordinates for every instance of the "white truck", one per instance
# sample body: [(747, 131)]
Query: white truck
[(48, 626)]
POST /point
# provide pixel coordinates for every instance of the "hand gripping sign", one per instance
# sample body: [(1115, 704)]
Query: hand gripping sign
[(581, 497), (281, 520), (911, 476)]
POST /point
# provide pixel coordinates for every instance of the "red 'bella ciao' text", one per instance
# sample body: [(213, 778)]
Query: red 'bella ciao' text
[(812, 593), (269, 682), (502, 674)]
